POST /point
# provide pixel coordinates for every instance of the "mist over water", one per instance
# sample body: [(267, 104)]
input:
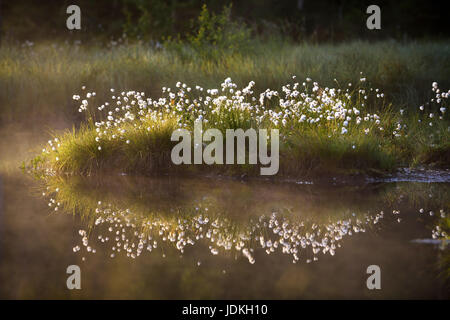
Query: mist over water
[(38, 243)]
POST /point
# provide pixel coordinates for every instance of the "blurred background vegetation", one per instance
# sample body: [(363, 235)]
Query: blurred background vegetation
[(146, 44), (157, 20)]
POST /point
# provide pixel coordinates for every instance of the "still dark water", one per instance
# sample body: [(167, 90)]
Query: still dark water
[(212, 238)]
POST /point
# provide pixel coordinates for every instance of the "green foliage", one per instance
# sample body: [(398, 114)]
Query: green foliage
[(151, 19), (215, 35), (147, 19), (46, 74)]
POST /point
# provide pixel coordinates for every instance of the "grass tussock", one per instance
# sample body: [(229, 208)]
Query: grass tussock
[(145, 151), (323, 130)]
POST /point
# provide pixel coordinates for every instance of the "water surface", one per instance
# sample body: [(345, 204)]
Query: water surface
[(216, 238)]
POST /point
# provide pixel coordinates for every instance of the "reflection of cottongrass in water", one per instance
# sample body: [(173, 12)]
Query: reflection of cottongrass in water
[(152, 223), (131, 235)]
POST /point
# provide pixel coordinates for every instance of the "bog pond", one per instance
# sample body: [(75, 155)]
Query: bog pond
[(221, 238)]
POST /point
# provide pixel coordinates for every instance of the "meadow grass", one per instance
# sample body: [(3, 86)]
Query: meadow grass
[(147, 153), (36, 81), (322, 130)]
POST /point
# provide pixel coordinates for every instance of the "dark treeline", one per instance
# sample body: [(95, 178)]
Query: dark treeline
[(298, 20)]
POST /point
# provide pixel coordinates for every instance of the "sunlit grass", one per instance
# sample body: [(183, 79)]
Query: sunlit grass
[(322, 130), (145, 151), (37, 80)]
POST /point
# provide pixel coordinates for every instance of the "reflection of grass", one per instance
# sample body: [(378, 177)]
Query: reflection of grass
[(229, 197), (444, 262), (237, 201), (237, 206), (419, 195), (229, 215), (185, 211), (426, 198)]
